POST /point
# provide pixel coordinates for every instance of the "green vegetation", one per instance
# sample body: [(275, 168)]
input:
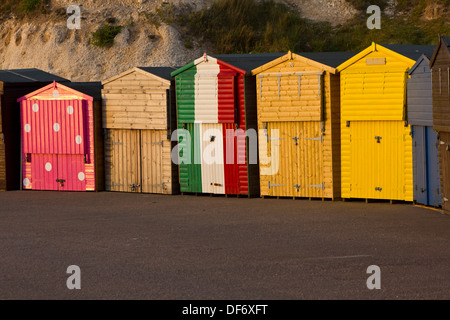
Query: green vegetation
[(22, 7), (104, 36), (242, 26)]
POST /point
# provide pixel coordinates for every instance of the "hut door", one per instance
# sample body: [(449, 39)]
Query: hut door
[(63, 172), (124, 167), (444, 146), (213, 173), (377, 158), (420, 164), (71, 174), (152, 142)]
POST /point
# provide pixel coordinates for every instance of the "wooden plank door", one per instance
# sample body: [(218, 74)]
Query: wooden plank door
[(444, 150), (123, 161), (152, 143)]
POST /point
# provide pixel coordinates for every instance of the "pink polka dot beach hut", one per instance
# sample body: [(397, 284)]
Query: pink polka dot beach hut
[(62, 145)]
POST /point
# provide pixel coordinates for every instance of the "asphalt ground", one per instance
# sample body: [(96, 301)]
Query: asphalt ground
[(157, 247)]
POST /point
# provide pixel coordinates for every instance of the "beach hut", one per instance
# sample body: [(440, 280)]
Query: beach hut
[(13, 85), (376, 142), (440, 69), (62, 138), (216, 113), (424, 138), (139, 116), (299, 112)]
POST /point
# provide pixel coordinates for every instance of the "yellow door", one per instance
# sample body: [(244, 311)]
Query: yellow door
[(380, 161), (295, 160)]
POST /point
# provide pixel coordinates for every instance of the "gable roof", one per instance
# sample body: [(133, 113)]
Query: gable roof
[(28, 75), (419, 62), (242, 63), (57, 85), (407, 53), (324, 60), (160, 73), (443, 42)]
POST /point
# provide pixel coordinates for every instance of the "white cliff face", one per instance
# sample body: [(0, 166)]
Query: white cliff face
[(46, 43)]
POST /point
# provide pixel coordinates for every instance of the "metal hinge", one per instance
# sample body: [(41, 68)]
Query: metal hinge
[(275, 185), (162, 185), (116, 143), (445, 199), (158, 143), (317, 185), (113, 184), (2, 137), (272, 139), (316, 139)]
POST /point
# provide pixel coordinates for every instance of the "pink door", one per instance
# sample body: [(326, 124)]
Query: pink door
[(71, 172), (44, 170), (58, 172)]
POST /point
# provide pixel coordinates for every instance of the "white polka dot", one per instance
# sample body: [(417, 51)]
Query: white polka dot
[(81, 176), (55, 93), (35, 107), (56, 127), (27, 128), (26, 182), (48, 166), (78, 139), (70, 110)]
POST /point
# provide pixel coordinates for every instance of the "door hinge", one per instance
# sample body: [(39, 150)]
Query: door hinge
[(316, 139), (272, 139), (116, 143), (322, 186), (113, 184), (27, 158), (162, 185), (158, 143), (445, 199), (275, 185), (2, 137)]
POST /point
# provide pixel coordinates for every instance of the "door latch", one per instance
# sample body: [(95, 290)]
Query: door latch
[(378, 138), (61, 182), (378, 189), (134, 186), (297, 186), (296, 140)]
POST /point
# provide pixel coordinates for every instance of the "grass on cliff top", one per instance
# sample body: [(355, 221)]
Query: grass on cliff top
[(243, 26)]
